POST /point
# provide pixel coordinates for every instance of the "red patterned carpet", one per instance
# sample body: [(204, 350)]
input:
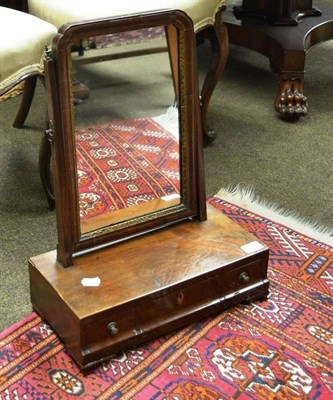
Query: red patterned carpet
[(125, 163), (277, 349)]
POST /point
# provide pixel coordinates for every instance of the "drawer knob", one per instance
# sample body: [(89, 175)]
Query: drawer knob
[(244, 277), (112, 329)]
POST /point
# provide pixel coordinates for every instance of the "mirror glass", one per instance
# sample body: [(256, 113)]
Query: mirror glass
[(126, 124), (123, 104)]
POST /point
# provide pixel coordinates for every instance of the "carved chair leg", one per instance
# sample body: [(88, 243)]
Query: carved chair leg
[(28, 94), (45, 145), (218, 39)]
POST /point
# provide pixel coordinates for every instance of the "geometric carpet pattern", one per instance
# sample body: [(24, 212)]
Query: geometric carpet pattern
[(280, 348), (123, 164)]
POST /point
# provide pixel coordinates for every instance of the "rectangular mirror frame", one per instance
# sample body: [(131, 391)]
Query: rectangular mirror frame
[(60, 110)]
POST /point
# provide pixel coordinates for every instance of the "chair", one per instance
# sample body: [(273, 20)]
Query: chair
[(206, 16), (22, 41)]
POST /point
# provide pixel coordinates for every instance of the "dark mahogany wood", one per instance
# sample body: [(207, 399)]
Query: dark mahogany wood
[(280, 12), (217, 36), (71, 241), (286, 47), (29, 80), (44, 165), (194, 265), (149, 286), (27, 96), (20, 5)]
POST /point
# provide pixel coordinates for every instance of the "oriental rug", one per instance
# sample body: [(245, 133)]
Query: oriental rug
[(125, 38), (125, 163), (280, 348)]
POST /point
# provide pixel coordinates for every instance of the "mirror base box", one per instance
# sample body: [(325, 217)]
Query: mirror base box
[(145, 287)]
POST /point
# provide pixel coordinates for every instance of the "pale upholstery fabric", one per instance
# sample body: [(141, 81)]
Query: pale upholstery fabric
[(59, 12), (22, 41)]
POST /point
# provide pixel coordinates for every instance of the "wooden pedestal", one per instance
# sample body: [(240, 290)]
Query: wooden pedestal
[(281, 12), (286, 47), (149, 285)]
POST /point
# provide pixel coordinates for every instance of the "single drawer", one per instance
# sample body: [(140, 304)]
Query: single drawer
[(135, 318), (129, 320), (239, 278)]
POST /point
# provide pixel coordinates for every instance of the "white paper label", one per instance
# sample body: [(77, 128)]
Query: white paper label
[(252, 247), (91, 282), (171, 197)]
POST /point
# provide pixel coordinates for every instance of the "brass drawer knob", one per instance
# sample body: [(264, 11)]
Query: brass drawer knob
[(244, 277), (112, 329)]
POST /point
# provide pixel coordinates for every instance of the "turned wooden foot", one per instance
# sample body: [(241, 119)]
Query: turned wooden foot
[(290, 101)]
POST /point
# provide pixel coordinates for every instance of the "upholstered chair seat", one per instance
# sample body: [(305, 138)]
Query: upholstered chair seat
[(23, 38), (58, 12)]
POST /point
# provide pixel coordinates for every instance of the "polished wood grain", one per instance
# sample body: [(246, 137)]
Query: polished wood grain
[(150, 281), (61, 112), (150, 285), (286, 47)]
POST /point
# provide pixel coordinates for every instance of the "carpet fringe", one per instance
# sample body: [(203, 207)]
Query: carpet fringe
[(248, 199), (169, 121)]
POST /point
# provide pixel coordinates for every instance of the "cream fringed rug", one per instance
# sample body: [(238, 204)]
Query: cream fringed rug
[(247, 198)]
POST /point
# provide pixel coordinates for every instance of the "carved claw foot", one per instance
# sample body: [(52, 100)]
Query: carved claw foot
[(290, 102)]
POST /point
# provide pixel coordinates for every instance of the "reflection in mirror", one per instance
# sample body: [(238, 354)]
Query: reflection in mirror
[(125, 161), (126, 131)]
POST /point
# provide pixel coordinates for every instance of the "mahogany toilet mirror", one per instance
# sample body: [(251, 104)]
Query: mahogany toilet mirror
[(127, 163), (119, 170)]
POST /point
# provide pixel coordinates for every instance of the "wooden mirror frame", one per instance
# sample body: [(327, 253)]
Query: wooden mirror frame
[(60, 108)]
